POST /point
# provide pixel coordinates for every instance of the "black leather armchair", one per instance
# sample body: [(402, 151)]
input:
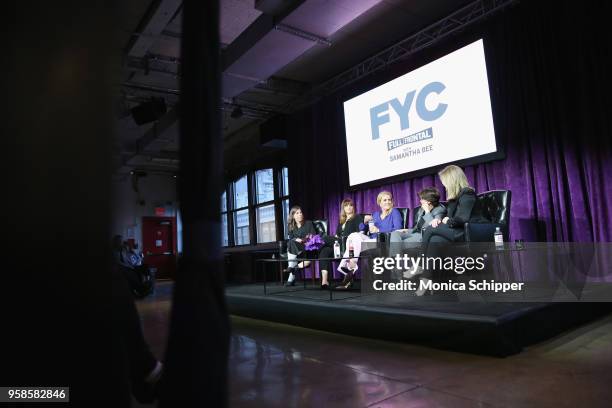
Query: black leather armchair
[(494, 206), (321, 227), (404, 212)]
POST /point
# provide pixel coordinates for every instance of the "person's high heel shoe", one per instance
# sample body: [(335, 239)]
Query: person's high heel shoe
[(347, 275), (292, 271), (347, 282)]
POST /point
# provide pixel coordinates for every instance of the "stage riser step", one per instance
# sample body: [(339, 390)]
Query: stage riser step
[(481, 335)]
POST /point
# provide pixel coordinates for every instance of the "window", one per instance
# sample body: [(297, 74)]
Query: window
[(285, 182), (264, 185), (179, 231), (224, 226), (224, 235), (241, 193), (264, 211), (266, 225), (241, 216), (252, 207), (285, 214), (284, 196), (241, 227)]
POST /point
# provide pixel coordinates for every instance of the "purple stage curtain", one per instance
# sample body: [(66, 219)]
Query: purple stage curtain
[(549, 88)]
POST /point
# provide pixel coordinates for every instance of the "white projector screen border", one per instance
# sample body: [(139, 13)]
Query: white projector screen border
[(362, 119)]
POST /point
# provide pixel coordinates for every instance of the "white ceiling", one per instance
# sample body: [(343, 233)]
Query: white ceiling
[(355, 28)]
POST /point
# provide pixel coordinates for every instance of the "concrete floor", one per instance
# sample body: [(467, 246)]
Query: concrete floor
[(275, 365)]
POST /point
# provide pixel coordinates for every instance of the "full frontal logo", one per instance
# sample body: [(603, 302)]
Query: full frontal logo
[(379, 114), (417, 137)]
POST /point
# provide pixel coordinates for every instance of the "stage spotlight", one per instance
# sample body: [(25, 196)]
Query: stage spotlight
[(237, 113)]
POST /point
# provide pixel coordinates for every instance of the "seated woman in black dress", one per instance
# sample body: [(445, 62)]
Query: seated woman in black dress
[(349, 222), (461, 208), (298, 228)]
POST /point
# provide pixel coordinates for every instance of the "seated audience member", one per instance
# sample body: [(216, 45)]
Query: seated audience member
[(299, 229), (348, 223), (460, 209), (134, 366), (140, 277), (388, 219), (121, 252)]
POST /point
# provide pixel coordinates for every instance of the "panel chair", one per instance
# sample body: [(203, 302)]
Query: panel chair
[(495, 207)]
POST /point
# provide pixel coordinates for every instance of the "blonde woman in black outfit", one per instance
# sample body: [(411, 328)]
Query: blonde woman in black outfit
[(348, 223), (461, 208), (298, 229)]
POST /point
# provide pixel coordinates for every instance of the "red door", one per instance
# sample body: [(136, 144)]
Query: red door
[(159, 245)]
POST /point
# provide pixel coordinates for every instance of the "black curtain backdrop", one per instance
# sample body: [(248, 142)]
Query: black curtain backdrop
[(59, 70), (548, 75), (198, 343)]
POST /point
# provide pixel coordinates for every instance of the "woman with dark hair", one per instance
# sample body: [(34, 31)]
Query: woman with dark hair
[(461, 208), (299, 229), (404, 240), (348, 223), (430, 210), (388, 219)]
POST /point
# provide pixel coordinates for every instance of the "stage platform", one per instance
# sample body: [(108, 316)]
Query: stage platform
[(487, 328)]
